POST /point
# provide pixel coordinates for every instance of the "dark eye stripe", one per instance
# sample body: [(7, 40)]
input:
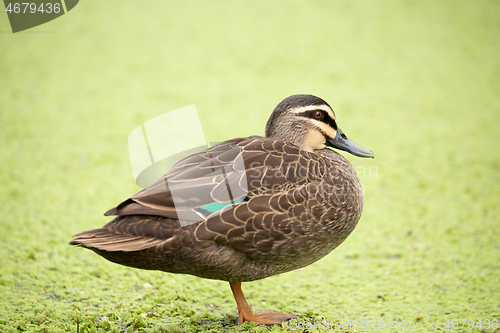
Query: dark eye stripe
[(326, 117)]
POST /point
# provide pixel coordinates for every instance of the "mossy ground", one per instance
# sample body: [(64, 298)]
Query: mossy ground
[(417, 82)]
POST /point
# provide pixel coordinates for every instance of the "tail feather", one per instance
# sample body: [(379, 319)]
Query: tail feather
[(109, 240)]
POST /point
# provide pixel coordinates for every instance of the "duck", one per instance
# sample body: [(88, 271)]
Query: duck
[(244, 209)]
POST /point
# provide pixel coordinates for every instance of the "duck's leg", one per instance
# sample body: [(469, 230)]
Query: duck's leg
[(261, 317)]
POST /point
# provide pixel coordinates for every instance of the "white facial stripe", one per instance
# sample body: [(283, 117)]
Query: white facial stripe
[(327, 129), (314, 107)]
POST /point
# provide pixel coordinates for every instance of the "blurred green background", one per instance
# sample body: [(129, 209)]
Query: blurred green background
[(417, 82)]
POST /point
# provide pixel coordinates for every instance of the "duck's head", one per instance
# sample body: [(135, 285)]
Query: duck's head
[(309, 122)]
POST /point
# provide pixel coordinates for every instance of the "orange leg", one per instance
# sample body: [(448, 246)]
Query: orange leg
[(261, 317)]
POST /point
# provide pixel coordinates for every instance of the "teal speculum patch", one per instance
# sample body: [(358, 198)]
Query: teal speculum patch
[(218, 206)]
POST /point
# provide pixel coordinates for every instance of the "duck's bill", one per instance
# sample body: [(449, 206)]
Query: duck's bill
[(342, 142)]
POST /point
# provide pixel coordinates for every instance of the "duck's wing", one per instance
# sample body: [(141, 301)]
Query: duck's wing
[(198, 185), (191, 188), (227, 174)]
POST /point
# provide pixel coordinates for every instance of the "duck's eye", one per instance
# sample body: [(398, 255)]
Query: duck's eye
[(318, 114)]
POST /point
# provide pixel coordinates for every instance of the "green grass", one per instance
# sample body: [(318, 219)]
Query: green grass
[(417, 82)]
